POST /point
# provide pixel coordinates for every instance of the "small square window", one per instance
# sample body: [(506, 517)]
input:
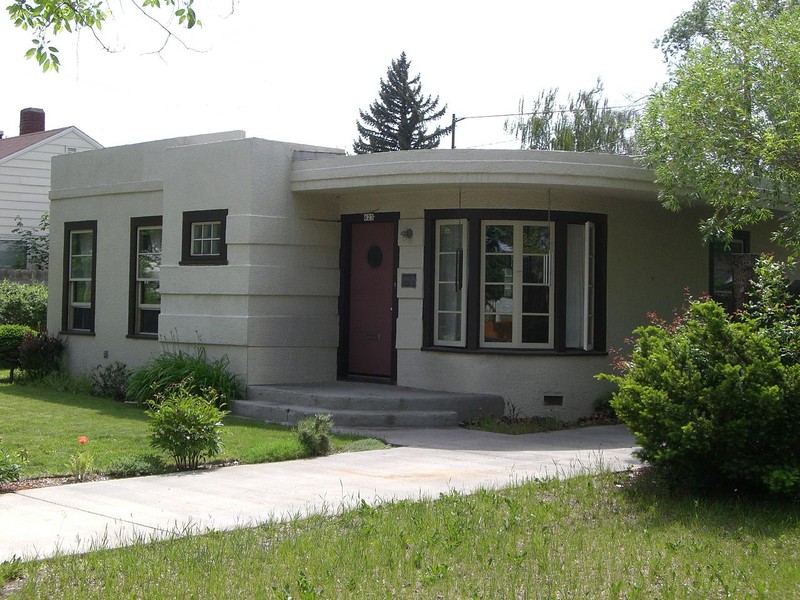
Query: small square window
[(204, 238)]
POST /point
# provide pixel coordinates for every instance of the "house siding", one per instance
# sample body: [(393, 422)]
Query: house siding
[(273, 309)]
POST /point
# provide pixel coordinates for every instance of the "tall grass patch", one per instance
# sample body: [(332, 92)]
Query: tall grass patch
[(589, 537), (170, 368)]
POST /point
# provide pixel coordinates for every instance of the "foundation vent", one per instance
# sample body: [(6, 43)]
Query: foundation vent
[(553, 400)]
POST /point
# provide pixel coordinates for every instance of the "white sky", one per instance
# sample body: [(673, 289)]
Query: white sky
[(300, 71)]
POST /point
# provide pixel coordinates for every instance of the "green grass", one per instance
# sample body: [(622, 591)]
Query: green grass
[(589, 537), (44, 425)]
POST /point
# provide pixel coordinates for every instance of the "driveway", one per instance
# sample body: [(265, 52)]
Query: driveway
[(79, 517)]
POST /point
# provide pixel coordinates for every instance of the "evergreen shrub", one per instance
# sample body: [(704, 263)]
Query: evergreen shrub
[(714, 399)]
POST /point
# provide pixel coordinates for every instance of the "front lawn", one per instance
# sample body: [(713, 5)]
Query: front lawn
[(589, 537), (44, 425)]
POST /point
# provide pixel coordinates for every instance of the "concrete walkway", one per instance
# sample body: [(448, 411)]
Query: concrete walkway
[(76, 518)]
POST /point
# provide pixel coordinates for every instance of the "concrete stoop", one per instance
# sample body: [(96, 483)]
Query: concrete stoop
[(364, 405)]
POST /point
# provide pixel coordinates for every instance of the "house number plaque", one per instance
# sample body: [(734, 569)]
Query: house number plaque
[(369, 217)]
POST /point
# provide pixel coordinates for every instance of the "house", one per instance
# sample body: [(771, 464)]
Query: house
[(25, 176), (495, 271)]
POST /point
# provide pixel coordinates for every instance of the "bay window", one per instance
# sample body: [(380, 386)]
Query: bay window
[(515, 280)]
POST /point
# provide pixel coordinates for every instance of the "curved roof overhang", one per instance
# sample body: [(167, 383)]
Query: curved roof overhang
[(590, 172)]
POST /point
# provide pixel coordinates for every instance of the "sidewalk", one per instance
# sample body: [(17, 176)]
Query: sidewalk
[(78, 517)]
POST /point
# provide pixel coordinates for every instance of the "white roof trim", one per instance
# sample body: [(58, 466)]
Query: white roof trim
[(51, 138)]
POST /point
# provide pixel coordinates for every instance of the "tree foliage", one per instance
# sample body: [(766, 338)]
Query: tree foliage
[(725, 129), (35, 240), (585, 123), (399, 118), (48, 18)]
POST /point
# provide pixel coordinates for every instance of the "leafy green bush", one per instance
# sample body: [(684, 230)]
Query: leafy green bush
[(155, 377), (23, 304), (186, 425), (11, 338), (313, 434), (714, 400), (40, 353), (9, 467), (111, 381)]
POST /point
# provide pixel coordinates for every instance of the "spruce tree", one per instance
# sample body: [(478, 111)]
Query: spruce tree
[(399, 118)]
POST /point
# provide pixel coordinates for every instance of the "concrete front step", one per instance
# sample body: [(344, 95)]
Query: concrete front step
[(361, 405)]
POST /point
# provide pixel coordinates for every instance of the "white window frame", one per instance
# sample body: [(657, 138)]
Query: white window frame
[(203, 240), (518, 284), (460, 280), (141, 281), (73, 304)]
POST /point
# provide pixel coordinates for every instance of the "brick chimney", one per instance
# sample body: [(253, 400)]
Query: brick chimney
[(31, 120)]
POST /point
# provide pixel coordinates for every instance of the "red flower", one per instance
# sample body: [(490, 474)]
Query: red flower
[(83, 439)]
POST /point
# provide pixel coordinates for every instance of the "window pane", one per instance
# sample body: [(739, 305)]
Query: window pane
[(499, 298), (150, 240), (498, 328), (499, 238), (449, 327), (448, 264), (81, 243), (536, 299), (81, 267), (535, 330), (82, 292), (148, 321), (533, 269), (149, 266), (213, 247), (149, 293), (449, 297), (499, 269), (449, 237), (535, 239), (81, 318)]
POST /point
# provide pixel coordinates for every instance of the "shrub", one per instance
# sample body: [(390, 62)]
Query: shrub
[(40, 353), (11, 338), (313, 434), (9, 467), (23, 304), (110, 381), (714, 400), (154, 378), (60, 381), (136, 466), (186, 425)]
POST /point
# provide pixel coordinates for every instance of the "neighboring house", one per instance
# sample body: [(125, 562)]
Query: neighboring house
[(25, 176), (498, 271)]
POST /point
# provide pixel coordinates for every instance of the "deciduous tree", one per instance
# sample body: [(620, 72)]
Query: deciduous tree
[(584, 123), (724, 131), (48, 18)]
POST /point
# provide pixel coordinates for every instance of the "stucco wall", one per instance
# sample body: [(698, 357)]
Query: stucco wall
[(653, 257)]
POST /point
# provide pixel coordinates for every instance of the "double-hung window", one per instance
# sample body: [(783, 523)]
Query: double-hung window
[(515, 280), (145, 302), (80, 252)]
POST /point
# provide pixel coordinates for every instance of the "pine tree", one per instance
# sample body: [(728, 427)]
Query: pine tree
[(399, 118)]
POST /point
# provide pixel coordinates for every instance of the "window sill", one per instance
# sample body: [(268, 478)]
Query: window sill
[(142, 336), (76, 332), (514, 351), (191, 262)]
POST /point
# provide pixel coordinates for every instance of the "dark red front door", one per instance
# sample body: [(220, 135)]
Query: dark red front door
[(372, 293)]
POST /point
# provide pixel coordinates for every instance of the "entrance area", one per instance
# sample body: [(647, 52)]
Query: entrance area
[(369, 288)]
